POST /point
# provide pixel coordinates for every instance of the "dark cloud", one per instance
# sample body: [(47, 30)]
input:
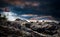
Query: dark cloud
[(3, 4), (40, 7)]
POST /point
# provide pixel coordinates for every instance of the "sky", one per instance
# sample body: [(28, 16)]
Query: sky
[(39, 7)]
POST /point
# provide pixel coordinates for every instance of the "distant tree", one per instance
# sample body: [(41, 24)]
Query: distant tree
[(0, 15), (3, 18)]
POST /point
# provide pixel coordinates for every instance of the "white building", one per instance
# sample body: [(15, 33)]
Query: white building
[(9, 15)]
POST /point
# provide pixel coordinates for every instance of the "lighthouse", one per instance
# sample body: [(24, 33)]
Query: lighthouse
[(6, 11), (9, 15)]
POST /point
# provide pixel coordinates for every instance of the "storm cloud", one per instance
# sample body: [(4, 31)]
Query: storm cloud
[(39, 7)]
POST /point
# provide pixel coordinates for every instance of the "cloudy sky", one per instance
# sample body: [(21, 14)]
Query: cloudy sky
[(39, 7)]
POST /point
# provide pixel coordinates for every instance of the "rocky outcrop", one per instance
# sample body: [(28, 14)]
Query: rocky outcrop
[(16, 29)]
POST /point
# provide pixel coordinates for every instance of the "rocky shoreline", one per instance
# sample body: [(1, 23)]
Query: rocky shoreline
[(15, 29)]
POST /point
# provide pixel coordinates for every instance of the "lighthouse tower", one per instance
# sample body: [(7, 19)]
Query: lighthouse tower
[(9, 15), (6, 11)]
